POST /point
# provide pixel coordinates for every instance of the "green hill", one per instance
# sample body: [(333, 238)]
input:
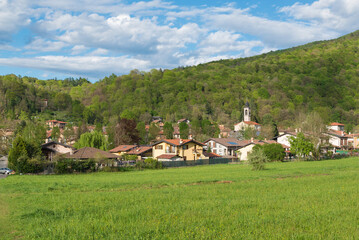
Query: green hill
[(321, 76)]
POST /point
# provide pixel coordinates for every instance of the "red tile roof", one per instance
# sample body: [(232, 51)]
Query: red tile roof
[(122, 148), (167, 156), (251, 123), (139, 150), (336, 124)]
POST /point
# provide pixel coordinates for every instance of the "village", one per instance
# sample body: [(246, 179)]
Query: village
[(225, 148)]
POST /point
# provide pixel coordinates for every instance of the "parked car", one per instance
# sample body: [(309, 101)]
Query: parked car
[(6, 171)]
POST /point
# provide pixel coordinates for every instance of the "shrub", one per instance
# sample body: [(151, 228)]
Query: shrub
[(64, 166), (274, 152), (257, 159), (149, 163)]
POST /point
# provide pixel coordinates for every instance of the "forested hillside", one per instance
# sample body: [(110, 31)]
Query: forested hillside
[(321, 76)]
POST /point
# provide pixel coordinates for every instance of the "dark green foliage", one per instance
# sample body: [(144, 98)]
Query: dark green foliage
[(184, 130), (273, 151), (25, 157), (149, 163), (63, 166), (168, 130)]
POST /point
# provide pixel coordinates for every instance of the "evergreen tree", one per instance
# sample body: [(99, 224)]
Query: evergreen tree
[(168, 130)]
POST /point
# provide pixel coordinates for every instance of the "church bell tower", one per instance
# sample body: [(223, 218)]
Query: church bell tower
[(247, 113)]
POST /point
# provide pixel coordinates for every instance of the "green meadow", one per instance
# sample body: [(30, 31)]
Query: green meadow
[(295, 200)]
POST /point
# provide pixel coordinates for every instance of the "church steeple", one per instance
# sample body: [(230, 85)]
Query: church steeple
[(247, 113)]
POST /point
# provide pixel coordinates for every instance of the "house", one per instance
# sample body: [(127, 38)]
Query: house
[(224, 132), (186, 149), (246, 149), (353, 140), (336, 126), (247, 123), (284, 137), (142, 152), (224, 146), (338, 139), (185, 120), (52, 149), (55, 123), (122, 149)]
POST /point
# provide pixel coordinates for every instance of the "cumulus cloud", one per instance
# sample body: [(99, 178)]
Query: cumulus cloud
[(13, 15), (340, 15)]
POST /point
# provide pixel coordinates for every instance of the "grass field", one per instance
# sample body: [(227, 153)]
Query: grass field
[(297, 200)]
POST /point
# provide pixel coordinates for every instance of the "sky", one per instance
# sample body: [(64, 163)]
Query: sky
[(93, 39)]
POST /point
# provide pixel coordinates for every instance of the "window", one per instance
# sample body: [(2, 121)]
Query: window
[(159, 147), (185, 147)]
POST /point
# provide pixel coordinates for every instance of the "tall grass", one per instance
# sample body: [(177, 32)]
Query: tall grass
[(301, 200)]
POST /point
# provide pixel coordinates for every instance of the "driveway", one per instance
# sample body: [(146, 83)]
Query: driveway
[(3, 163)]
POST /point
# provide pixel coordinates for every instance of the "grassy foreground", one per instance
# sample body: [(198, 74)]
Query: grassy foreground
[(299, 200)]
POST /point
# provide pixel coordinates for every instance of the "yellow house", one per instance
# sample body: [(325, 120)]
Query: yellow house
[(178, 149)]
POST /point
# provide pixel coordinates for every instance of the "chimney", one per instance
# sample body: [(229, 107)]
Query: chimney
[(265, 139), (180, 141), (251, 139), (296, 130)]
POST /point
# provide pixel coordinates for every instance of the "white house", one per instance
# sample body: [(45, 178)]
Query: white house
[(225, 146), (284, 138)]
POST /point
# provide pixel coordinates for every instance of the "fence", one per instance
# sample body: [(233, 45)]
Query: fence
[(169, 164)]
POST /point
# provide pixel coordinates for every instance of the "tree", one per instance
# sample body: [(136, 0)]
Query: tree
[(18, 150), (257, 159), (168, 130), (55, 133), (141, 128), (153, 131), (69, 133), (93, 139), (300, 145), (184, 130), (125, 132), (273, 151)]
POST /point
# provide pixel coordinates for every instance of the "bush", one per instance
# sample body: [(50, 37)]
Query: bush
[(257, 159), (274, 152), (64, 166), (149, 163)]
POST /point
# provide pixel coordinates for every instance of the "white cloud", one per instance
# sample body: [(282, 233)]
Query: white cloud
[(340, 15), (42, 45), (13, 15), (278, 34), (91, 65)]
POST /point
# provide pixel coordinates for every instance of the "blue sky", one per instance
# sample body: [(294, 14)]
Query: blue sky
[(93, 39)]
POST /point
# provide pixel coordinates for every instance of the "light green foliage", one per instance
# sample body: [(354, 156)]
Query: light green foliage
[(257, 159), (207, 202), (92, 139), (300, 146)]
